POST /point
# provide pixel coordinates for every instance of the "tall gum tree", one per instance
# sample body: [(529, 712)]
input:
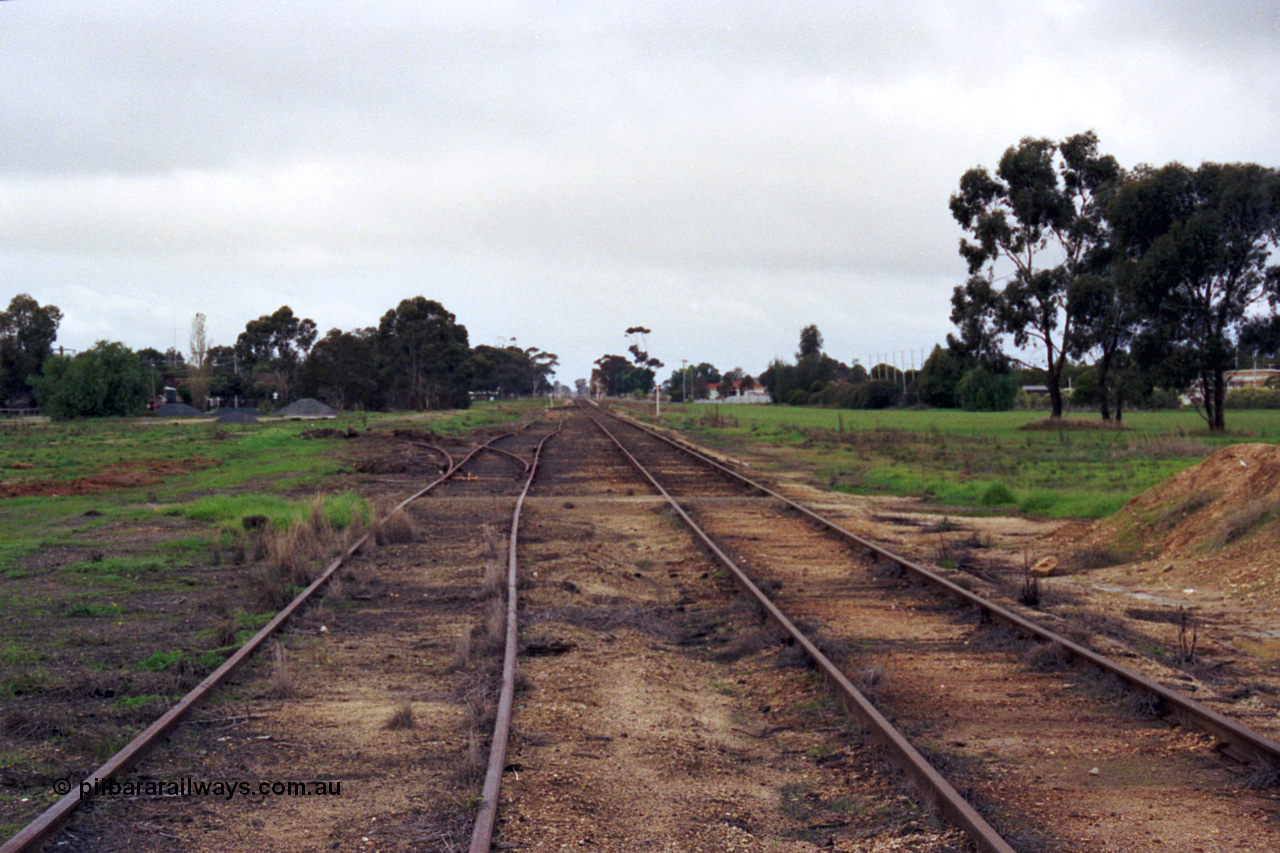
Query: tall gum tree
[(1196, 247), (1037, 226), (27, 333)]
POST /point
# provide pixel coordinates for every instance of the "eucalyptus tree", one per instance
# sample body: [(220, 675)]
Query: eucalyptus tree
[(1196, 246), (424, 356), (27, 332), (275, 345), (1037, 227)]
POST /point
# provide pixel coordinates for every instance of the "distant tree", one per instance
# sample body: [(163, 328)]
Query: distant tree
[(810, 343), (107, 380), (727, 380), (226, 381), (1197, 245), (581, 388), (982, 389), (511, 371), (27, 333), (639, 349), (1040, 216), (423, 356), (1260, 338), (341, 370), (701, 377), (674, 385), (803, 382), (198, 368), (936, 385), (275, 345), (616, 375)]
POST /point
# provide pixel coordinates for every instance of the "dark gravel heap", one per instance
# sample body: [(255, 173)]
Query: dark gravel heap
[(308, 407), (178, 410)]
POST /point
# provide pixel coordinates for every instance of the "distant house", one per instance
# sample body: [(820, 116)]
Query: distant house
[(735, 393), (1254, 378)]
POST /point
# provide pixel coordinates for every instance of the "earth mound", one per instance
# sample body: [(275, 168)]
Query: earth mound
[(1215, 524)]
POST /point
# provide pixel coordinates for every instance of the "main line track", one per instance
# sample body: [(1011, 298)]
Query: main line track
[(1025, 737)]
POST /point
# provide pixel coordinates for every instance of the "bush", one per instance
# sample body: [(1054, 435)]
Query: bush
[(109, 379), (1253, 398), (1025, 402), (983, 390), (998, 494)]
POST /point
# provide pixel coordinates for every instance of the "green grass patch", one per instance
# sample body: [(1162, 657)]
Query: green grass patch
[(134, 702), (12, 654), (84, 610), (161, 661), (974, 460), (228, 511), (118, 566)]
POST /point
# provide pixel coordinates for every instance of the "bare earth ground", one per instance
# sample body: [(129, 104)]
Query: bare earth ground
[(657, 716), (1165, 546)]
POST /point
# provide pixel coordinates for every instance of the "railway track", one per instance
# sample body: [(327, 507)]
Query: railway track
[(952, 671), (659, 718), (485, 478)]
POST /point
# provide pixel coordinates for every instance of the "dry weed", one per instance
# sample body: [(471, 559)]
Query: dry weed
[(401, 719), (396, 527), (471, 768), (1048, 657), (1242, 522), (282, 686), (320, 525)]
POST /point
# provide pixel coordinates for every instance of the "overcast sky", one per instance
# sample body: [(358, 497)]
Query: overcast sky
[(724, 173)]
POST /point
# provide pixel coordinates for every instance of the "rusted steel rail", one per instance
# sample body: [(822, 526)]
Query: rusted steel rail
[(1238, 742), (51, 818), (487, 814), (930, 784)]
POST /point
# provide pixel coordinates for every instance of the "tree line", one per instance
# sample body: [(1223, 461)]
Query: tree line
[(1160, 276), (417, 357), (1157, 273)]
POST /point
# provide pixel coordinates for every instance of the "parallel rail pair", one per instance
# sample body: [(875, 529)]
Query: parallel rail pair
[(40, 829), (1238, 742)]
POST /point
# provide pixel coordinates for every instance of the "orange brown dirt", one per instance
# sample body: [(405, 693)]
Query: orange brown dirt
[(123, 475)]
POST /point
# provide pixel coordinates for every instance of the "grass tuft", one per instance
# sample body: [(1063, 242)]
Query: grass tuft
[(401, 719)]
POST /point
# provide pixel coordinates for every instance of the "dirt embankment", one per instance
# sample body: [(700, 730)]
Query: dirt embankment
[(1214, 526)]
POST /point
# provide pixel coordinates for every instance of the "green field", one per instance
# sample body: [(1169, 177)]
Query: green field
[(974, 460), (245, 469)]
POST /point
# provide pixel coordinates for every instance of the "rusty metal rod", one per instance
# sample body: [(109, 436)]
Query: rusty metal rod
[(487, 814)]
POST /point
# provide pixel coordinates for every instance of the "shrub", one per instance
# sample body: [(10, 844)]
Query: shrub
[(109, 379), (983, 390), (1253, 398), (998, 494)]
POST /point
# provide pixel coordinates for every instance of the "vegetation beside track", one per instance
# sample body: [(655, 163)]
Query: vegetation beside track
[(971, 461), (128, 572)]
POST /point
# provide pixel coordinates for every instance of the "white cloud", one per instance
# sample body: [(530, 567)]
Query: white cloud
[(724, 173)]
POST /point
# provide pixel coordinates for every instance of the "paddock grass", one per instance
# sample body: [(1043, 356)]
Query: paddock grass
[(984, 462), (252, 469)]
